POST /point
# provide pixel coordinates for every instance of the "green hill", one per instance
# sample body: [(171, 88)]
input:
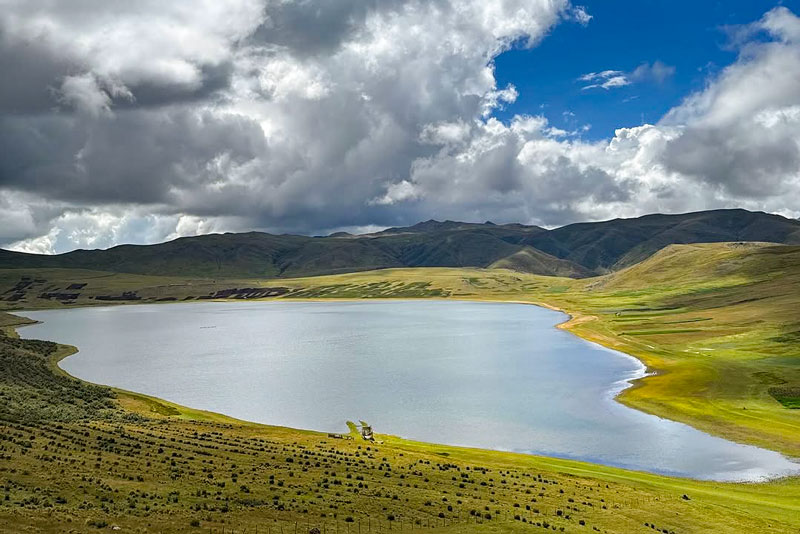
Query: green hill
[(577, 250), (530, 260), (618, 243)]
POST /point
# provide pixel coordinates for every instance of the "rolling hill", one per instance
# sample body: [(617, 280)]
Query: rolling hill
[(577, 250), (612, 245), (531, 260)]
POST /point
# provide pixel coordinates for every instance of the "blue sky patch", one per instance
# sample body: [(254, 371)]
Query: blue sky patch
[(646, 56)]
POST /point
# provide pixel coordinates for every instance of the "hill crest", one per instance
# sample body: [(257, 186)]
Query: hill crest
[(577, 250)]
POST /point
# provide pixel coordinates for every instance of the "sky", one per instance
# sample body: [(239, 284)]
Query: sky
[(688, 38), (141, 122)]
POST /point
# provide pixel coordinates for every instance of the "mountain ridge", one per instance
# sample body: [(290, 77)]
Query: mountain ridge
[(577, 250)]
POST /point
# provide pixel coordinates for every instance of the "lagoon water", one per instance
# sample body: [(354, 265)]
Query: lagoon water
[(492, 375)]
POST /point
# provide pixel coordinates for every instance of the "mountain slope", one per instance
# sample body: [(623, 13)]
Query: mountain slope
[(265, 255), (615, 244), (577, 250), (530, 260), (706, 265)]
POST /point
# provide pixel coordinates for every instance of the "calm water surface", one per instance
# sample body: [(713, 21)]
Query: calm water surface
[(488, 375)]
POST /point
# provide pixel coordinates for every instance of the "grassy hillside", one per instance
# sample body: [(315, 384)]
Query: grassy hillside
[(619, 243), (530, 260), (577, 250), (82, 458), (719, 324), (263, 255)]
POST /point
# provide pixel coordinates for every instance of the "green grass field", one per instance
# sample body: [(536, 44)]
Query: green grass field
[(719, 325)]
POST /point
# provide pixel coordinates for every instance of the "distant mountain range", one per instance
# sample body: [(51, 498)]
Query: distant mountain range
[(576, 250)]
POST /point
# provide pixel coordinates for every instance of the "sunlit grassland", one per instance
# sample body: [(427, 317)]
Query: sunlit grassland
[(721, 373), (719, 325), (143, 464)]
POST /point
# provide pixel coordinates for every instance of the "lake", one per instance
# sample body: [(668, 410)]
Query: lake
[(490, 375)]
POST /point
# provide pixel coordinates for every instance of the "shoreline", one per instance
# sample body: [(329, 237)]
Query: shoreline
[(573, 319)]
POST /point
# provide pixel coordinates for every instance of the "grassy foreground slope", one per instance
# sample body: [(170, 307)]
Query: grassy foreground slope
[(75, 457), (719, 323)]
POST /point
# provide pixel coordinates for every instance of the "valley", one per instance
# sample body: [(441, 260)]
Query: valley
[(688, 313)]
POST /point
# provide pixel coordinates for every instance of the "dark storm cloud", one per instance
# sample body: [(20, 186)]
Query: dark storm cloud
[(31, 73), (213, 79), (134, 157), (33, 76), (309, 27)]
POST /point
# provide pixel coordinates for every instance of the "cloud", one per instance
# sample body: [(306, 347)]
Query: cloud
[(581, 16), (520, 171), (656, 72), (291, 115), (779, 23), (142, 123), (606, 79), (742, 133), (157, 51), (735, 143), (103, 228)]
